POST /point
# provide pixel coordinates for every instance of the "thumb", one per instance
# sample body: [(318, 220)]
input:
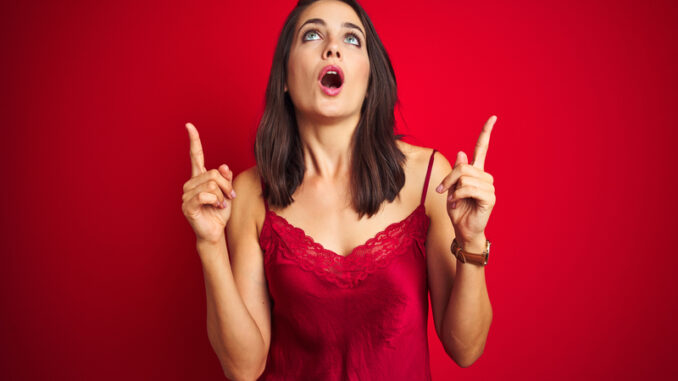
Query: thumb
[(225, 171), (461, 158)]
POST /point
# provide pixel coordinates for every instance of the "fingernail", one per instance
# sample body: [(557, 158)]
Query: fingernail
[(233, 192), (440, 188)]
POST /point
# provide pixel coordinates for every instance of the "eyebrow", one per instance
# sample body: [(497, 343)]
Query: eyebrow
[(322, 22)]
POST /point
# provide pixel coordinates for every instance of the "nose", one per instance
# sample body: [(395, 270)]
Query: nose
[(332, 49)]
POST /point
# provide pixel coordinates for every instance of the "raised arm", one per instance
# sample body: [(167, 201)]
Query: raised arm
[(460, 208), (238, 312)]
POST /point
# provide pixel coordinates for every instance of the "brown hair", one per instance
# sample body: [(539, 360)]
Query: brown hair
[(376, 161)]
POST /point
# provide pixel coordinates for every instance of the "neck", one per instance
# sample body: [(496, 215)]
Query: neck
[(326, 146)]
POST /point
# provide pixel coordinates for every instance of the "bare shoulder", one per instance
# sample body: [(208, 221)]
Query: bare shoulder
[(441, 167), (418, 158), (412, 152), (248, 202), (247, 180)]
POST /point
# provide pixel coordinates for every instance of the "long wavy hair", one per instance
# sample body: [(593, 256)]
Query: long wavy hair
[(376, 161)]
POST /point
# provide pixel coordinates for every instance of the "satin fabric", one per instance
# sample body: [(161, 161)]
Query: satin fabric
[(362, 316)]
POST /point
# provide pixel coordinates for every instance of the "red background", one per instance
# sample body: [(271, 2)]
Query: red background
[(100, 278)]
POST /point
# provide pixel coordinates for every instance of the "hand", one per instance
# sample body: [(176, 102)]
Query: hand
[(207, 194), (471, 192)]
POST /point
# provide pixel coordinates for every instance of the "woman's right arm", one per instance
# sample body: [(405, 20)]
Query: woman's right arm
[(238, 311), (238, 308)]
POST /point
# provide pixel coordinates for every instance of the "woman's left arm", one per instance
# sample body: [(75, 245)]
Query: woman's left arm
[(461, 306)]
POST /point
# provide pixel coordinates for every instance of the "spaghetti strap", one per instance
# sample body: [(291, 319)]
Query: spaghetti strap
[(428, 174), (262, 195)]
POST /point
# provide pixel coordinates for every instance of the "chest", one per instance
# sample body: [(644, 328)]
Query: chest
[(337, 228), (294, 255)]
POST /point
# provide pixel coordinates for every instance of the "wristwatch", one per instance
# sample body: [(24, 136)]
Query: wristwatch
[(479, 259)]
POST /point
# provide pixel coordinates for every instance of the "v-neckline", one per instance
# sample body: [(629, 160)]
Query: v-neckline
[(365, 244)]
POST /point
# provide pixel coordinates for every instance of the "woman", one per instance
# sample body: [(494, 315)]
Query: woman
[(335, 237)]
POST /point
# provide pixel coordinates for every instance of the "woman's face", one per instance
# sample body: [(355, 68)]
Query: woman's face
[(328, 33)]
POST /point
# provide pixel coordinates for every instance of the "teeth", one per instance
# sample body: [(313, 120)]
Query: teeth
[(331, 72)]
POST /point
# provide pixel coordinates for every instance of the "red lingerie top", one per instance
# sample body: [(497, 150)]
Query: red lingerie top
[(362, 316)]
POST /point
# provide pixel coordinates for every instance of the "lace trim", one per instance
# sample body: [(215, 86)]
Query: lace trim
[(345, 271)]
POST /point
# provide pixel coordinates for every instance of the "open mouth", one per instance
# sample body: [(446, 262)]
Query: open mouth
[(331, 79)]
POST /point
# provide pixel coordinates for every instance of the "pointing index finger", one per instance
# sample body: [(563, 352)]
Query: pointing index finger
[(197, 157), (483, 143)]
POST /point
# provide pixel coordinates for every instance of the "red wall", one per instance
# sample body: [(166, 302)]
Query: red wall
[(100, 278)]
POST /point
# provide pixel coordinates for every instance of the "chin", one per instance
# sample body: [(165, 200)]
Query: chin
[(334, 116), (330, 111)]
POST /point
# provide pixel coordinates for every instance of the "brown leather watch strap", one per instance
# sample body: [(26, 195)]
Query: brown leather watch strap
[(479, 259)]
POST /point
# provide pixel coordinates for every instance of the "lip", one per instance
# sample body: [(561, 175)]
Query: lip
[(327, 90)]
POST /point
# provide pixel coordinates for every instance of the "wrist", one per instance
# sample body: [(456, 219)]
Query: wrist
[(470, 251), (208, 250), (210, 243), (473, 245)]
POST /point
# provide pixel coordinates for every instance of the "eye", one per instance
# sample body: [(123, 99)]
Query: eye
[(352, 39), (311, 35)]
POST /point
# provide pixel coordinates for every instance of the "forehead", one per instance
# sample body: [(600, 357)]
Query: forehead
[(333, 12)]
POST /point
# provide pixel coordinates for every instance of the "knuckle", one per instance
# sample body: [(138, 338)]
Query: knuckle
[(212, 185)]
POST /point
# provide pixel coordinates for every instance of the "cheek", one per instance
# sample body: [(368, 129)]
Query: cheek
[(363, 73), (297, 73)]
